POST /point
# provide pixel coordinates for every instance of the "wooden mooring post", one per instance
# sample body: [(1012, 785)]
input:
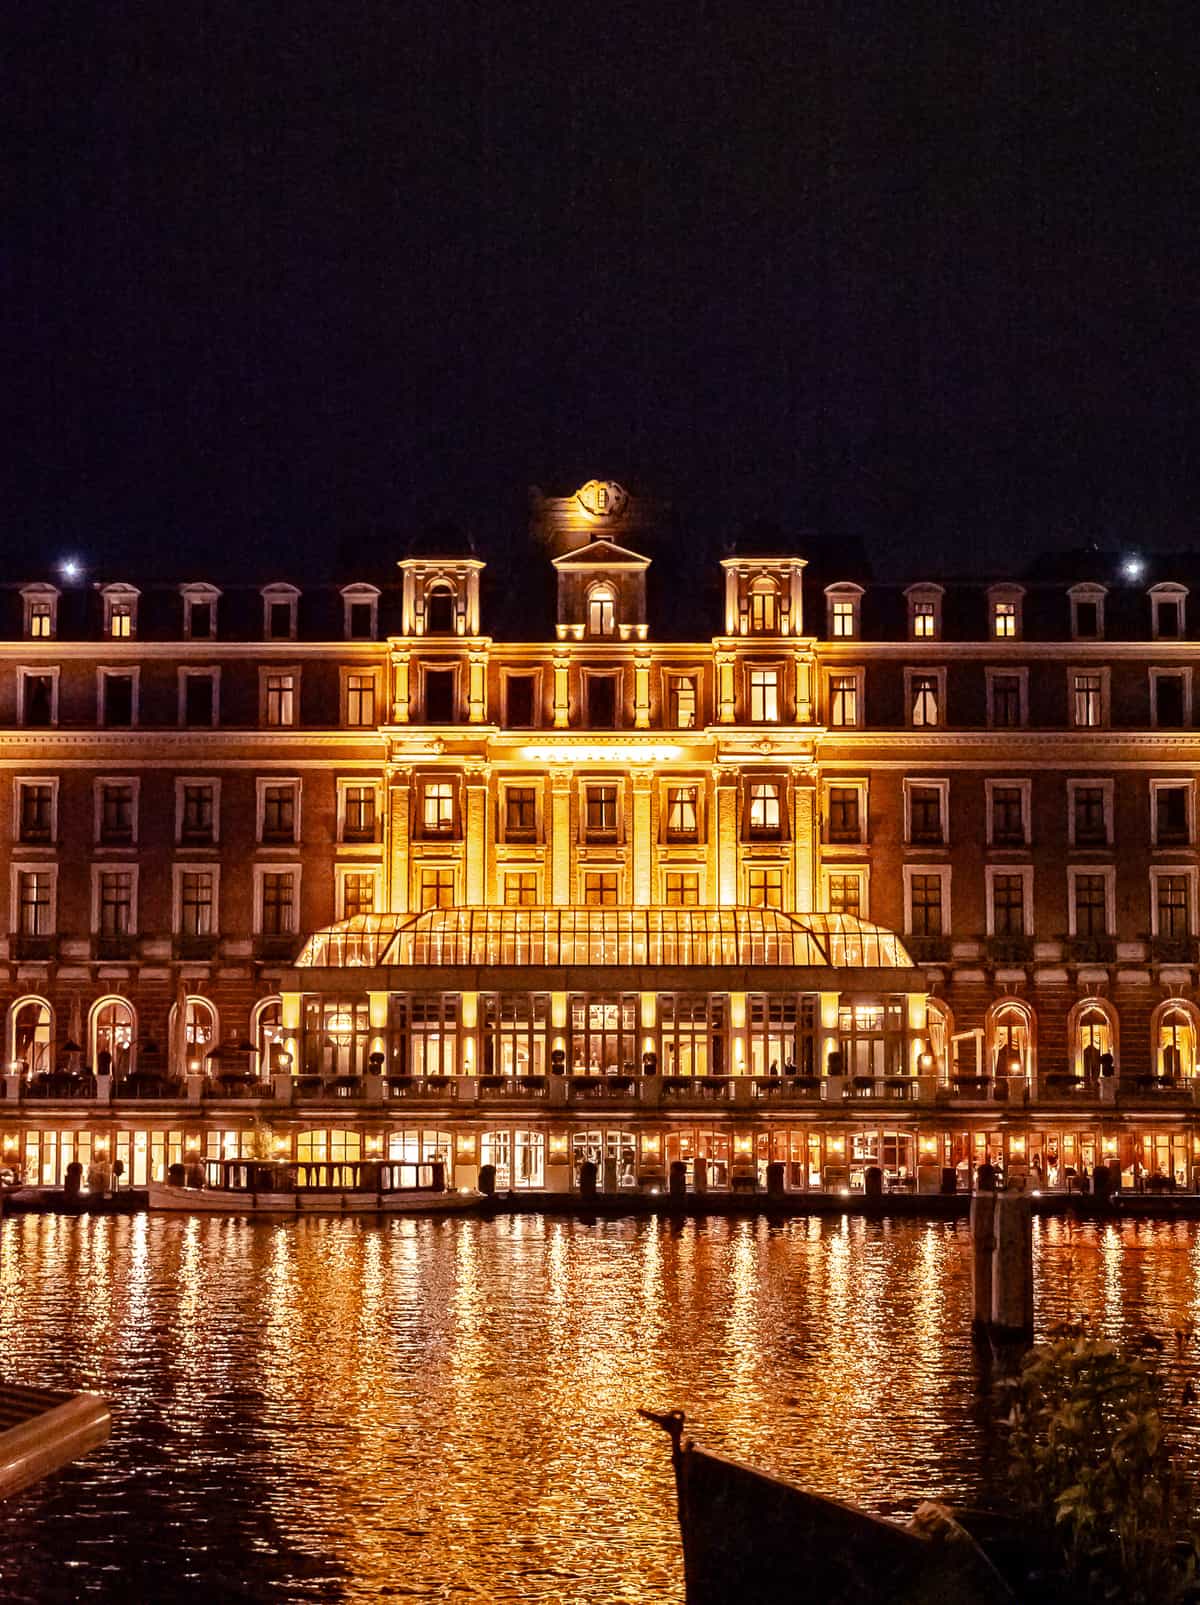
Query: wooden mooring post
[(1002, 1264)]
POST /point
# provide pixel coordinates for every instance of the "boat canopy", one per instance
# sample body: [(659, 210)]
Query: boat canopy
[(559, 936)]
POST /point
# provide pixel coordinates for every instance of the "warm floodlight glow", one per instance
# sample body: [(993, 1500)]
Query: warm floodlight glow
[(601, 752)]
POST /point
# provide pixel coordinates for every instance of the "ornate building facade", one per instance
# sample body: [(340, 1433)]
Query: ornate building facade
[(883, 874)]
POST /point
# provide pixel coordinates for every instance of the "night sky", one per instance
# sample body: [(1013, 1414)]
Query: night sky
[(295, 279)]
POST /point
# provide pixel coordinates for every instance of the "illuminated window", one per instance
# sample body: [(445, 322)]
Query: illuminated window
[(358, 893), (682, 888), (520, 888), (843, 615), (845, 894), (437, 888), (602, 611), (924, 621), (681, 702), (764, 696), (600, 888), (360, 700), (41, 620), (1171, 902), (764, 607), (1087, 700), (924, 701), (358, 818), (1004, 620), (34, 902), (764, 888), (196, 899), (683, 812), (600, 810), (765, 808), (843, 700), (437, 807), (120, 621), (279, 699)]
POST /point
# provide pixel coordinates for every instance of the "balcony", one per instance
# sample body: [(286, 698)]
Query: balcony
[(1056, 1086), (33, 949), (1090, 949), (510, 1089), (1156, 1090), (196, 948), (1172, 950), (602, 1089), (928, 949), (1010, 949), (276, 949), (114, 948), (691, 1090), (421, 1089), (788, 1089)]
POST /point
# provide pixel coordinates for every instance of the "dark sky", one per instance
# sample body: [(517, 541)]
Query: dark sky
[(280, 276)]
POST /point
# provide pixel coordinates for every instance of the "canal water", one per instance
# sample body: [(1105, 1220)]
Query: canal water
[(329, 1410)]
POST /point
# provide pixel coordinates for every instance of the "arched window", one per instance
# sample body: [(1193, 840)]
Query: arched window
[(31, 1035), (602, 610), (764, 606), (1011, 1038), (1093, 1035), (1174, 1040), (199, 1034), (939, 1028), (112, 1027), (439, 609), (266, 1033)]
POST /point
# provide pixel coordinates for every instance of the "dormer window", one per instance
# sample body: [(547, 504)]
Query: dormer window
[(280, 605), (602, 498), (924, 612), (602, 610), (764, 607), (120, 611), (1004, 612), (1168, 603), (439, 609), (843, 603), (41, 612), (1087, 612), (199, 612), (360, 605)]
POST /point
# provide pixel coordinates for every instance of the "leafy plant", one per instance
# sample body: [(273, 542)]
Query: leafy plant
[(1091, 1462)]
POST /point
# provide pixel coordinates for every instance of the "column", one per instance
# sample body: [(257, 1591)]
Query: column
[(476, 835), (399, 796), (727, 836), (643, 838), (562, 705), (560, 834), (400, 689), (641, 692), (726, 702), (804, 819), (804, 697), (477, 688)]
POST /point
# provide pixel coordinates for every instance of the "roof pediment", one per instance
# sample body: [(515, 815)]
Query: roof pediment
[(601, 554)]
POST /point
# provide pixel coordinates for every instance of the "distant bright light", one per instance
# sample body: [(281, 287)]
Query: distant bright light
[(70, 568), (1133, 568)]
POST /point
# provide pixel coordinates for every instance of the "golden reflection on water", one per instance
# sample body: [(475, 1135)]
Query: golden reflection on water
[(338, 1410)]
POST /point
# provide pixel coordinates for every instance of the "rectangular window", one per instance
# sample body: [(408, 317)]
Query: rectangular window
[(1091, 908), (116, 710), (437, 888), (279, 812), (1087, 620), (1004, 620), (766, 813), (1091, 826), (38, 700), (926, 826), (35, 820), (764, 887), (439, 696), (1171, 902), (34, 903), (199, 700), (600, 888), (1087, 700), (358, 893), (924, 621), (518, 696), (41, 621), (683, 813), (845, 894), (520, 888), (764, 610), (926, 899), (682, 888), (764, 696), (279, 620), (196, 889), (842, 616), (843, 701), (1169, 701), (200, 621), (681, 702), (360, 701), (1008, 905), (600, 810), (845, 820), (1171, 816), (279, 698), (601, 701), (198, 814), (116, 902), (360, 621), (279, 902), (116, 813), (924, 702), (520, 813), (1006, 701), (120, 621), (1166, 619), (358, 816), (1008, 816), (437, 808)]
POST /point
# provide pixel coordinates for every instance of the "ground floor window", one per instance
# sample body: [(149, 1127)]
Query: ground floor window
[(603, 1035), (145, 1156), (692, 1027), (425, 1034), (32, 1040), (783, 1033), (113, 1030), (335, 1147), (1175, 1044), (614, 1154), (516, 1029), (705, 1155), (518, 1155)]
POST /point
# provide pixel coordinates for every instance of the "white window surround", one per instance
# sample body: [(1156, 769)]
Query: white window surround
[(182, 782), (358, 867), (525, 783), (1025, 871), (846, 783), (614, 673), (943, 873), (356, 596), (117, 595), (858, 675), (207, 866), (942, 787), (932, 596), (1099, 671), (1160, 872), (33, 672), (938, 675), (1109, 872), (601, 866), (261, 785), (1170, 594), (1008, 594), (1025, 787), (1090, 783), (38, 866), (1173, 783), (515, 673), (98, 786), (858, 872), (344, 784), (1087, 591), (1184, 673), (211, 672), (20, 782), (770, 689), (265, 672), (199, 594), (1019, 673), (453, 667), (292, 867), (844, 591), (110, 671), (39, 593), (685, 866), (374, 674), (122, 866), (274, 594)]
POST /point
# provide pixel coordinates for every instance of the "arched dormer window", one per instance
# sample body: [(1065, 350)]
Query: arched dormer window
[(764, 606), (602, 610), (439, 609)]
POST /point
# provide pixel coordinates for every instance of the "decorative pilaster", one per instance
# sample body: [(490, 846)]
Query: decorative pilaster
[(727, 836), (641, 691), (476, 835), (399, 816), (804, 697), (804, 838), (400, 689), (643, 838), (477, 688), (560, 834), (562, 703), (726, 700)]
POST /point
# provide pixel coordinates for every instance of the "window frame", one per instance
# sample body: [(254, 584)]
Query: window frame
[(1006, 594), (927, 783), (520, 833), (291, 866), (1024, 872), (265, 672), (205, 866), (1159, 872), (1108, 874), (120, 594), (769, 867), (110, 671), (39, 595), (1020, 673), (837, 596), (26, 672), (118, 866), (776, 832), (940, 872), (35, 866), (182, 782), (358, 595), (670, 834), (1158, 672), (858, 675), (924, 595), (199, 595), (20, 784), (369, 672), (365, 783), (936, 672), (671, 677), (437, 832), (1172, 783), (277, 594), (845, 783), (99, 784), (858, 872), (1024, 785), (1105, 785), (342, 872), (587, 675), (507, 676), (211, 672), (1104, 674), (261, 785), (448, 666), (776, 687), (1168, 593)]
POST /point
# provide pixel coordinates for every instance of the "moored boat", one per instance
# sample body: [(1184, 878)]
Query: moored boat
[(340, 1187)]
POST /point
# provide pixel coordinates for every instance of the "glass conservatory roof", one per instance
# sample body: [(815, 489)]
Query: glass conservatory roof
[(600, 936)]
